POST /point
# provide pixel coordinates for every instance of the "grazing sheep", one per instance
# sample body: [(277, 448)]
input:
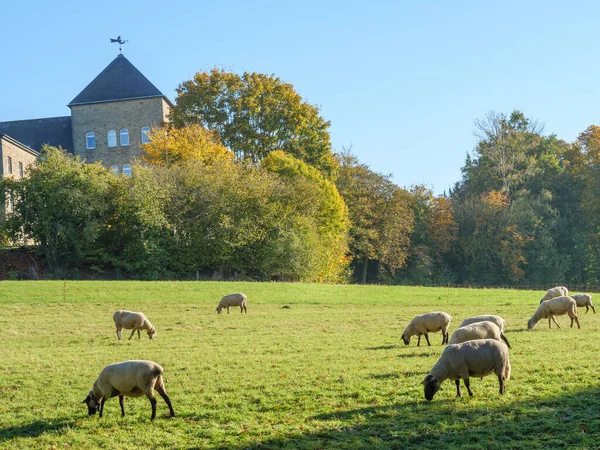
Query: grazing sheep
[(237, 299), (558, 291), (131, 379), (555, 307), (485, 317), (470, 359), (478, 330), (421, 325), (584, 300), (134, 321)]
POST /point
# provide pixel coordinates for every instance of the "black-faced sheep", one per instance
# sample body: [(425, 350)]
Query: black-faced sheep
[(558, 291), (237, 299), (584, 300), (134, 321), (478, 330), (470, 359), (555, 307), (421, 325), (128, 379)]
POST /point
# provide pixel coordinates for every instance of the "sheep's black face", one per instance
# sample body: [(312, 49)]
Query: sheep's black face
[(406, 340), (431, 386), (530, 324), (92, 405), (218, 310), (152, 333)]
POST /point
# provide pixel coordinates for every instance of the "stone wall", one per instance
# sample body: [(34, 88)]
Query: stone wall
[(102, 117), (18, 154)]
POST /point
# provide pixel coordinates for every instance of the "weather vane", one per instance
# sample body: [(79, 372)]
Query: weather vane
[(119, 40)]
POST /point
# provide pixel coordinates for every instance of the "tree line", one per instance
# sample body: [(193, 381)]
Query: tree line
[(243, 182)]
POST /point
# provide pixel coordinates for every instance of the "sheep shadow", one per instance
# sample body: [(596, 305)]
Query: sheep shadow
[(34, 429), (382, 347), (565, 421)]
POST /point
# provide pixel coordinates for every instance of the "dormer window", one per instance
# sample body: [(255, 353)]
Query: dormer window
[(111, 138), (126, 170), (124, 136), (90, 140), (145, 138), (114, 169)]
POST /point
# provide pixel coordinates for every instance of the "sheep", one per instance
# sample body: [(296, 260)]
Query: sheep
[(485, 317), (584, 300), (477, 358), (478, 330), (133, 321), (558, 291), (555, 307), (433, 321), (131, 379), (237, 299)]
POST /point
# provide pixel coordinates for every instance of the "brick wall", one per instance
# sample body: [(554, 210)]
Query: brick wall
[(102, 117)]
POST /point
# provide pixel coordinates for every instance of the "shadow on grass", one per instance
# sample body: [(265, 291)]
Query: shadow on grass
[(34, 429), (382, 347), (567, 421)]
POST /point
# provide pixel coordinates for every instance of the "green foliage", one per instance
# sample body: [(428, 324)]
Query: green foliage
[(380, 215), (62, 204), (255, 114), (330, 372)]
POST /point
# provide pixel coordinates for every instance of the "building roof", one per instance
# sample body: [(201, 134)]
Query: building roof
[(34, 133), (17, 144), (120, 80)]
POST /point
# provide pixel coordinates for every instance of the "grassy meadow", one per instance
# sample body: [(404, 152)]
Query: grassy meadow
[(329, 372)]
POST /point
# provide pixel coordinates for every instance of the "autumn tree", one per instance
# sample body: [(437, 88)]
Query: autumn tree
[(253, 115), (169, 145), (380, 215)]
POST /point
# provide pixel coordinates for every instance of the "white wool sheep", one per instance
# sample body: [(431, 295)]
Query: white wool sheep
[(477, 358), (558, 291), (584, 300), (478, 330), (131, 379), (421, 325), (237, 299), (485, 317), (134, 321), (555, 307)]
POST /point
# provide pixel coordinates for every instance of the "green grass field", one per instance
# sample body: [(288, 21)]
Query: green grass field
[(329, 372)]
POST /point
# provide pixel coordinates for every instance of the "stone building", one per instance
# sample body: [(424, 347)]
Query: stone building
[(109, 120)]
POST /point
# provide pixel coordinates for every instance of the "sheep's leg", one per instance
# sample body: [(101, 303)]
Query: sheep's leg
[(132, 333), (457, 387), (468, 386), (576, 320), (163, 394), (138, 333), (554, 320), (228, 309), (592, 309), (119, 333), (419, 341), (504, 339), (153, 403), (427, 337), (122, 405), (502, 384), (102, 405)]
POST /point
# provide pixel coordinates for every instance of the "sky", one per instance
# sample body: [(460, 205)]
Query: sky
[(402, 82)]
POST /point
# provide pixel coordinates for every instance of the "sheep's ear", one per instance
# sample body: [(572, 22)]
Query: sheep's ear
[(427, 379)]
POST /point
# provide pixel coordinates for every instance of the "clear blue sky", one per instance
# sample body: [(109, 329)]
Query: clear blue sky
[(401, 81)]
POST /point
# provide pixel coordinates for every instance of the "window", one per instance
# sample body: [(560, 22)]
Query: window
[(90, 140), (114, 169), (9, 165), (126, 170), (111, 138), (124, 137), (145, 138), (20, 169)]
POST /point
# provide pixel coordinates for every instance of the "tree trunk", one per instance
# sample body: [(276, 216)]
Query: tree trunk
[(363, 276)]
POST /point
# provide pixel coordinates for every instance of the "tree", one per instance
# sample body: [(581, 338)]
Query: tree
[(380, 215), (170, 145), (253, 115), (62, 205)]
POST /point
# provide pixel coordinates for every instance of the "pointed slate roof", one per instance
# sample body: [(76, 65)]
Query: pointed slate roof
[(120, 80)]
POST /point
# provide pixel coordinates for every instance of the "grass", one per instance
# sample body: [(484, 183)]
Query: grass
[(329, 372)]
